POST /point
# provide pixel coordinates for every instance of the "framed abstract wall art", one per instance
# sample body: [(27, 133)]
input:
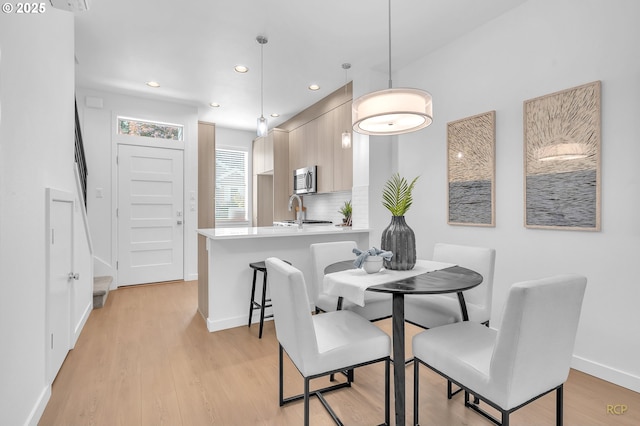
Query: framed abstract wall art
[(471, 148), (562, 159)]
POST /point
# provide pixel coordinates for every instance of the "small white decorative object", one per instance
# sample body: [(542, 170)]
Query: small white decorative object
[(372, 264)]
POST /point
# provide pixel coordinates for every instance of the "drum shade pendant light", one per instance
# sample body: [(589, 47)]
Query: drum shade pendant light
[(262, 122), (346, 135), (392, 111)]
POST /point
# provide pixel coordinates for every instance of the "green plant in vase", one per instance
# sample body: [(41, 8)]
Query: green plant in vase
[(346, 211), (398, 237)]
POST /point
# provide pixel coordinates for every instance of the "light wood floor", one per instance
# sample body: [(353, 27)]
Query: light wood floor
[(146, 358)]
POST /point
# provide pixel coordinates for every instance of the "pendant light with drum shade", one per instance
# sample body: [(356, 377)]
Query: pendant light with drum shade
[(262, 122), (392, 111)]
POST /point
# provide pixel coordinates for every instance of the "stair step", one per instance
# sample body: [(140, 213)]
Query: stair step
[(101, 287)]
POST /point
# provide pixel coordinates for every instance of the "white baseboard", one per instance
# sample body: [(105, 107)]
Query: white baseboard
[(192, 277), (217, 325), (81, 323), (604, 372), (38, 408)]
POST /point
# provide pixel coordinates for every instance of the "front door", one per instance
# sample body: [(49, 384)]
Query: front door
[(150, 214)]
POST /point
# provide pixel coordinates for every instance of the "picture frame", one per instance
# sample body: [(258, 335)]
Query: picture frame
[(471, 151), (562, 144)]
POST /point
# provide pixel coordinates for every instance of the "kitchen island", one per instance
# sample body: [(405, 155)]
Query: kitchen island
[(230, 250)]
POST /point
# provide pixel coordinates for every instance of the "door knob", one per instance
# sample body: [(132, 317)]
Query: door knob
[(179, 222), (73, 276)]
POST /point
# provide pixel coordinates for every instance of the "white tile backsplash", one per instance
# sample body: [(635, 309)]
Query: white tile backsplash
[(360, 203), (326, 206)]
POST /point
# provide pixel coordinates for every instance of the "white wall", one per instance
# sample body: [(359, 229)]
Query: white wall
[(36, 151), (539, 48), (97, 131)]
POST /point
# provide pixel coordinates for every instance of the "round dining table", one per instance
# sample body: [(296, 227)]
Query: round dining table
[(453, 279)]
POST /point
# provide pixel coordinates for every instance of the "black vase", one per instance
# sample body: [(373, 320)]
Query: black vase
[(399, 239)]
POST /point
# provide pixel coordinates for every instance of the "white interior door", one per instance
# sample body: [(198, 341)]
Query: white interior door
[(150, 214), (60, 272)]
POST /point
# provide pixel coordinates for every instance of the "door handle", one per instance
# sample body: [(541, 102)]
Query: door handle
[(179, 222), (73, 276)]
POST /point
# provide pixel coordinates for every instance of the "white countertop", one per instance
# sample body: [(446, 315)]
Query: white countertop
[(276, 231)]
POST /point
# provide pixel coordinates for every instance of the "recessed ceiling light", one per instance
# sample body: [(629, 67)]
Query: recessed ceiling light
[(275, 114), (153, 84), (314, 87), (214, 105), (241, 69)]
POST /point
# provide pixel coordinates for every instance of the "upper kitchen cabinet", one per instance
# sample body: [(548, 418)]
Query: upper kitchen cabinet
[(342, 157), (315, 138), (271, 178), (323, 131), (263, 155)]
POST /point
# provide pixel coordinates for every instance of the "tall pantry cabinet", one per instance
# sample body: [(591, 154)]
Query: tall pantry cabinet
[(206, 206)]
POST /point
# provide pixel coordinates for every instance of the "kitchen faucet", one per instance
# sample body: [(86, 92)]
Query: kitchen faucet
[(298, 216)]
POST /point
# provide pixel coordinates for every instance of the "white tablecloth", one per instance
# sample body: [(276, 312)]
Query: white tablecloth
[(352, 283)]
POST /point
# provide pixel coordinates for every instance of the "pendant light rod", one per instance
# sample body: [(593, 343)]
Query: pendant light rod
[(390, 83), (262, 40)]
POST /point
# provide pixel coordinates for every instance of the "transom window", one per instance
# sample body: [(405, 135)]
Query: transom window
[(231, 187), (150, 129)]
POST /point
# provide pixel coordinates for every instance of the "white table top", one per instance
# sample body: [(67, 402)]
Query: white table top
[(352, 283)]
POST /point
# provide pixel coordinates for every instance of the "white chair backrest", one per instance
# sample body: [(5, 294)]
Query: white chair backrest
[(323, 255), (294, 325), (534, 345), (479, 259)]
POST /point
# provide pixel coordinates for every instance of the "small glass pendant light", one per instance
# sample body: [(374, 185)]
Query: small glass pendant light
[(346, 135), (262, 126)]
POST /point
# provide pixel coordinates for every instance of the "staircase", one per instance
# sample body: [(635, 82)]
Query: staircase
[(101, 290), (101, 284)]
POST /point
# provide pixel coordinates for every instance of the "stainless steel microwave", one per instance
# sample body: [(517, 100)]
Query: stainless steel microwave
[(305, 180)]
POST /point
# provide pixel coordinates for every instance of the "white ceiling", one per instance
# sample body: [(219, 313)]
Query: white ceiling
[(191, 47)]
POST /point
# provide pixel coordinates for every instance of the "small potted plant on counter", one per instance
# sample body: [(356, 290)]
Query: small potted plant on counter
[(346, 211)]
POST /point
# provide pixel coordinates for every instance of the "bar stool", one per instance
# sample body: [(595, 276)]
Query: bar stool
[(265, 303)]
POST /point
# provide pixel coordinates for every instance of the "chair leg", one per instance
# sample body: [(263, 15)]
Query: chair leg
[(505, 418), (559, 406), (280, 375), (306, 401), (416, 387), (387, 393), (264, 301), (253, 294)]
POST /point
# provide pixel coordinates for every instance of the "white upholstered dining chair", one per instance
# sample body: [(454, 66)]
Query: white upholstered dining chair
[(377, 305), (320, 345), (528, 357), (428, 311)]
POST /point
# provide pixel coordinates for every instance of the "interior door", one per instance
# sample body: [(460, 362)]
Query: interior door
[(60, 272), (150, 214)]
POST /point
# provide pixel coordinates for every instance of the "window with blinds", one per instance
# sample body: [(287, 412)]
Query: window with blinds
[(231, 187)]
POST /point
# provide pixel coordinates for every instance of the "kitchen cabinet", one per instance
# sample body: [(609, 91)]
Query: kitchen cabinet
[(324, 150), (263, 155), (271, 178), (206, 206), (342, 157), (319, 142)]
